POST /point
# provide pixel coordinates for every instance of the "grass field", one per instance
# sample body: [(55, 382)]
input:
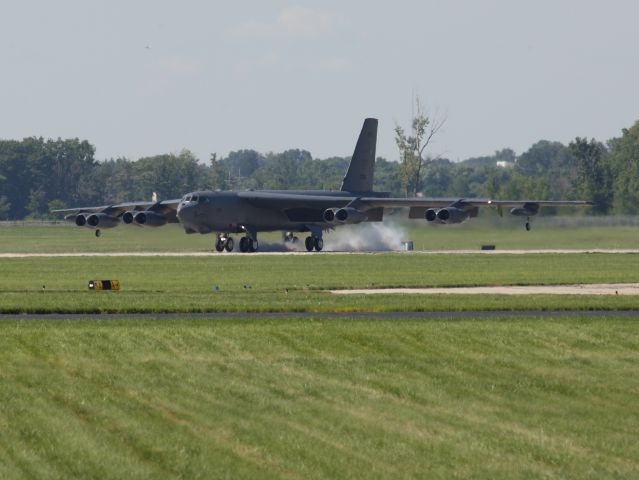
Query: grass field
[(510, 398), (299, 283), (506, 233), (305, 398)]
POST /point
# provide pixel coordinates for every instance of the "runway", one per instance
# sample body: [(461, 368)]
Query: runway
[(580, 289), (321, 315), (402, 252)]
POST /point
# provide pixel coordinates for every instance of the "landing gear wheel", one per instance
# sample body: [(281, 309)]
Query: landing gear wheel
[(252, 245), (319, 244), (98, 232), (295, 240), (309, 243), (229, 244), (244, 246), (527, 225), (219, 246)]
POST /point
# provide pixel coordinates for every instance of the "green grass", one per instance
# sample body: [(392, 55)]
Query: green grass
[(298, 283), (509, 398), (506, 233), (315, 398)]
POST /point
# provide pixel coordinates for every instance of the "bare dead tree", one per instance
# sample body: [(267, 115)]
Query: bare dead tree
[(412, 147)]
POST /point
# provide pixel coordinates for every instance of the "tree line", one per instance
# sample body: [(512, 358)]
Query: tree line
[(38, 175)]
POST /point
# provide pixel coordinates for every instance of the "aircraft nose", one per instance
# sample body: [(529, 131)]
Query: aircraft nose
[(184, 212)]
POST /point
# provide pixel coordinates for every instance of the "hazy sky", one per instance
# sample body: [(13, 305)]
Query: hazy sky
[(139, 78)]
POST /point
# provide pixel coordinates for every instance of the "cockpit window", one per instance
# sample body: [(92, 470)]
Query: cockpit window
[(187, 198), (194, 198)]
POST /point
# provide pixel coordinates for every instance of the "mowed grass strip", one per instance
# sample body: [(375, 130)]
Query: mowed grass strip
[(505, 233), (299, 283), (509, 398)]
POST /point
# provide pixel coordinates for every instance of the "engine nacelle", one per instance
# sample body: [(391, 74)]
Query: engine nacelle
[(453, 215), (98, 220), (329, 215), (350, 215), (149, 219), (80, 219), (128, 217), (431, 215)]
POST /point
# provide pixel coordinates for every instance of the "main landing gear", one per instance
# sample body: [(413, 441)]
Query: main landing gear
[(224, 242), (314, 243), (527, 224), (98, 232), (248, 244), (289, 237)]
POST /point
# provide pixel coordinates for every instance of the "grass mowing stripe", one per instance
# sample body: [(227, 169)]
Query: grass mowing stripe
[(245, 283), (309, 398), (505, 233)]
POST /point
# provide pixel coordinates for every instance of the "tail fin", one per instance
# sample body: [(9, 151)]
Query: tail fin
[(359, 177)]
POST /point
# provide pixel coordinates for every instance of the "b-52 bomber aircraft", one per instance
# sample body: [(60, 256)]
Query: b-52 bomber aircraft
[(289, 211)]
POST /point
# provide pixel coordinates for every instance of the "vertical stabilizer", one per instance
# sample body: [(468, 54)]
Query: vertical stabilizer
[(359, 177)]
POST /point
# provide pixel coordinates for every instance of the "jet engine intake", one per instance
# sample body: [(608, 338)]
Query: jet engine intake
[(80, 220), (431, 215), (149, 218), (98, 220), (329, 215), (128, 217)]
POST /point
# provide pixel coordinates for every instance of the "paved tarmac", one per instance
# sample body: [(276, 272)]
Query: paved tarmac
[(579, 289)]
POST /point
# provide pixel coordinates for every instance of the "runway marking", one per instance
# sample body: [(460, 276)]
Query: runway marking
[(580, 289)]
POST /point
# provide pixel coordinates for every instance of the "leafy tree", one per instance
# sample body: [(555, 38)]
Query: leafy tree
[(439, 178), (552, 161), (624, 162), (411, 148), (241, 164), (594, 181), (169, 175), (36, 205), (5, 208), (218, 174), (56, 205), (387, 177)]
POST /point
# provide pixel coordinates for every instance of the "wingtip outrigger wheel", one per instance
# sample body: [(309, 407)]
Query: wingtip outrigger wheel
[(98, 232), (528, 224)]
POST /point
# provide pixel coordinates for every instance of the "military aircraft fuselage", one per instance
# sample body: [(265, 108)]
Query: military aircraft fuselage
[(258, 211)]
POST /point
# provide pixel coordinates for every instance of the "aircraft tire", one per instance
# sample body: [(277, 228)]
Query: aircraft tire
[(244, 247), (319, 244), (229, 244), (309, 243), (219, 246), (98, 232), (527, 226)]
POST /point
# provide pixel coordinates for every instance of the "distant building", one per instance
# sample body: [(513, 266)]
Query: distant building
[(504, 164)]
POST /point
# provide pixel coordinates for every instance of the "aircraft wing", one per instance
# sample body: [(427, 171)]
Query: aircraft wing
[(166, 207), (464, 202), (318, 208), (284, 200)]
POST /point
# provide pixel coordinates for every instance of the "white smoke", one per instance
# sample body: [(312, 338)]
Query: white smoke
[(368, 237), (280, 246)]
